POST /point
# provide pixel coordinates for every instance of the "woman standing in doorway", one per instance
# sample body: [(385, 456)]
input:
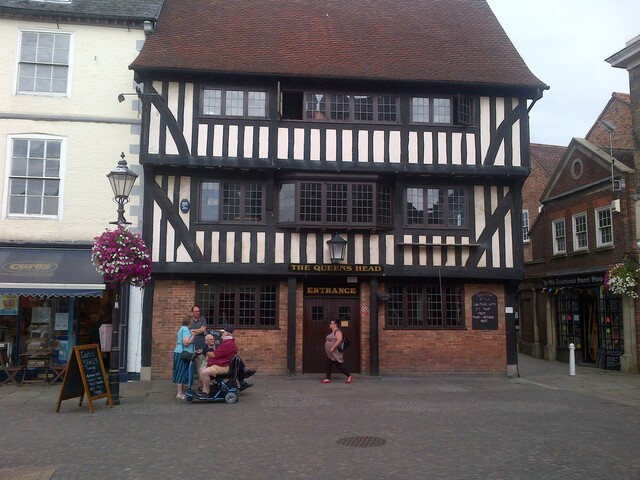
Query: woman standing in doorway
[(334, 356)]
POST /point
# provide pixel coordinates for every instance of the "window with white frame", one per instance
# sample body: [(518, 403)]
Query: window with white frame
[(34, 177), (580, 238), (229, 102), (44, 62), (525, 225), (604, 227), (559, 236)]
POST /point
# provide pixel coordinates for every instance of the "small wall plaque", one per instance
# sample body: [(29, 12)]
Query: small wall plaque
[(184, 205)]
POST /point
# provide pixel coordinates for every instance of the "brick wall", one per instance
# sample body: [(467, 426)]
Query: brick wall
[(412, 352), (416, 352)]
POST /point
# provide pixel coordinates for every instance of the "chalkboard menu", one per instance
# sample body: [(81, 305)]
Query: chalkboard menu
[(484, 311), (85, 375)]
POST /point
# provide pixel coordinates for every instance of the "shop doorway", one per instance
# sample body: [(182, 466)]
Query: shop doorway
[(318, 312)]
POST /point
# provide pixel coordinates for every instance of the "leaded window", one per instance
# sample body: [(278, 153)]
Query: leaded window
[(347, 107), (231, 201), (436, 207), (335, 203), (234, 103), (425, 306), (431, 109), (246, 305)]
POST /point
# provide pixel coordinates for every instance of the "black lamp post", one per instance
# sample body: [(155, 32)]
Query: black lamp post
[(337, 248), (121, 180)]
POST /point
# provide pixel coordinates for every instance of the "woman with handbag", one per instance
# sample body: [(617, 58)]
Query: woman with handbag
[(334, 355), (184, 345)]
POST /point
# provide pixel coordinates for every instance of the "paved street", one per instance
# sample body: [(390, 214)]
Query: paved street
[(544, 425)]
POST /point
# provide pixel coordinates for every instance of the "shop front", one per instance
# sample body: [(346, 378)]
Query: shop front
[(577, 310), (51, 299)]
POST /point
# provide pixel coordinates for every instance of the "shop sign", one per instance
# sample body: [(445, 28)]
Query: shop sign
[(574, 280), (334, 268), (30, 268), (318, 291), (484, 311)]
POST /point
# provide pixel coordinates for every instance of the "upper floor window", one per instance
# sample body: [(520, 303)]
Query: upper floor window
[(425, 306), (440, 110), (339, 107), (34, 178), (234, 103), (604, 227), (231, 202), (436, 206), (580, 239), (525, 225), (44, 62), (559, 236), (333, 203), (351, 107)]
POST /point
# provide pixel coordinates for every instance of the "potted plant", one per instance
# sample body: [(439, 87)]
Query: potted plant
[(122, 257), (623, 278)]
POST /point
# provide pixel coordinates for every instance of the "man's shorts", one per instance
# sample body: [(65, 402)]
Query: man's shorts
[(214, 370)]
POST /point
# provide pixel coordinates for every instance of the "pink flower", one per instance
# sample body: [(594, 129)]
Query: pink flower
[(122, 256)]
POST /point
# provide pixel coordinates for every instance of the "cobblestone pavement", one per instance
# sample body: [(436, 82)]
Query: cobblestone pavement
[(543, 425)]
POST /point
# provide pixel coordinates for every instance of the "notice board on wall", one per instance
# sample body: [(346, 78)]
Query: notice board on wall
[(85, 375), (484, 311)]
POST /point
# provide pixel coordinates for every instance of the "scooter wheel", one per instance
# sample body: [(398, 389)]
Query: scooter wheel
[(189, 398), (230, 398)]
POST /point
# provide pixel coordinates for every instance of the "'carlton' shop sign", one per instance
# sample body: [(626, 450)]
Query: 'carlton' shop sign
[(579, 280), (335, 268)]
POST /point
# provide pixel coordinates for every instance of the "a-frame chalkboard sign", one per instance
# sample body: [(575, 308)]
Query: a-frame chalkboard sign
[(85, 374)]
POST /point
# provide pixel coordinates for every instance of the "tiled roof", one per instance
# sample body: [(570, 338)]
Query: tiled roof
[(547, 156), (411, 40), (617, 113), (104, 9)]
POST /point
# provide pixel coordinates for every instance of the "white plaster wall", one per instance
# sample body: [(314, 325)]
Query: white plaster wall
[(99, 72)]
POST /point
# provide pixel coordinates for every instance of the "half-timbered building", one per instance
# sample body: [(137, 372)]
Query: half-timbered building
[(398, 130)]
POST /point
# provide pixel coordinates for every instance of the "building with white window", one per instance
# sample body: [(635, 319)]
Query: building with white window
[(586, 226), (62, 129)]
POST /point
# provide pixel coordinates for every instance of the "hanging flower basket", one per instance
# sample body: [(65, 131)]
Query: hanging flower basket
[(623, 279), (122, 256)]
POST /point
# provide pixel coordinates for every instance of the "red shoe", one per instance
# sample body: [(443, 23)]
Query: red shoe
[(326, 380), (349, 380)]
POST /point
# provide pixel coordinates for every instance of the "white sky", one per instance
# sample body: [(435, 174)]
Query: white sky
[(564, 43)]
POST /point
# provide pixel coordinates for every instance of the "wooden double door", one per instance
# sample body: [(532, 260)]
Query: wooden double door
[(318, 312)]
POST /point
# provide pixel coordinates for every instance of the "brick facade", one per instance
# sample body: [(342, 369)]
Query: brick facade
[(402, 352)]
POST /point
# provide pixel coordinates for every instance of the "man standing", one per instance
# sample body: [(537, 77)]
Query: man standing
[(198, 327)]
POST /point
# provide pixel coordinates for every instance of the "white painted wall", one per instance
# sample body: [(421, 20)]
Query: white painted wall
[(100, 57)]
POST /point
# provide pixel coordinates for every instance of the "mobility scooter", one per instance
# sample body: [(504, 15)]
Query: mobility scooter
[(223, 387)]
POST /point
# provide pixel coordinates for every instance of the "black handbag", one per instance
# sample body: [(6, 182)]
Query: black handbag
[(344, 344), (186, 356)]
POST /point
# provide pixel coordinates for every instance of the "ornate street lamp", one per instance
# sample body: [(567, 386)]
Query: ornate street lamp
[(121, 180), (337, 248)]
